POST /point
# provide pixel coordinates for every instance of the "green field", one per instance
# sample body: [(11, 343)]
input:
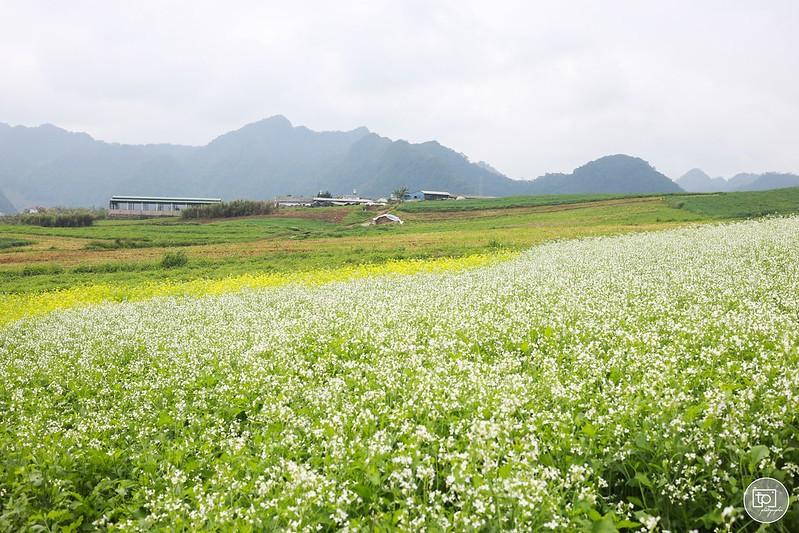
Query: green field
[(506, 202), (637, 382), (129, 251), (570, 363), (736, 205)]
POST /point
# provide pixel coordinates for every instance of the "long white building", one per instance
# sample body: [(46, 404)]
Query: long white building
[(153, 206)]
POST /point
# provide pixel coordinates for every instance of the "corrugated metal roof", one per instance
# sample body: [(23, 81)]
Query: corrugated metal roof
[(293, 199), (343, 200), (156, 199)]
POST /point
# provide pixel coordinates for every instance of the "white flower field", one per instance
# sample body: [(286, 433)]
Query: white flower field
[(636, 382)]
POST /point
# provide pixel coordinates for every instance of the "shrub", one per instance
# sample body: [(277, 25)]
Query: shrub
[(119, 244), (38, 270), (174, 260), (6, 242), (236, 208), (117, 266), (61, 219)]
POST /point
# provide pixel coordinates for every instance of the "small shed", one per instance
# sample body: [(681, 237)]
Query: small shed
[(387, 218)]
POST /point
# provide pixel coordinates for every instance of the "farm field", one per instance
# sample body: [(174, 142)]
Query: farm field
[(127, 252), (399, 268), (121, 259), (629, 382), (592, 363)]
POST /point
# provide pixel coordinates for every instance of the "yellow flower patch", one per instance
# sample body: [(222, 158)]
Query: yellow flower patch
[(16, 306)]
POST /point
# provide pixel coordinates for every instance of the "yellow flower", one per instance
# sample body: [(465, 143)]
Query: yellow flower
[(16, 306)]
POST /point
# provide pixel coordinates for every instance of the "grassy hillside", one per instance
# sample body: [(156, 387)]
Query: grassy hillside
[(505, 202), (739, 204), (724, 205)]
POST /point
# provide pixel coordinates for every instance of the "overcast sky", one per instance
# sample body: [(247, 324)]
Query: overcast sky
[(530, 87)]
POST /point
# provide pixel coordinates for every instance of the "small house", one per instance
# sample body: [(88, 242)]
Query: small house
[(387, 218)]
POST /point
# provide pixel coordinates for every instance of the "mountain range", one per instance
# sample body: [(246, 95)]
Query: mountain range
[(47, 165), (696, 180), (50, 166)]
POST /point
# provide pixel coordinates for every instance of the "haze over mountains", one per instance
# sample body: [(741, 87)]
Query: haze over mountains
[(609, 174), (49, 166), (5, 205), (696, 180)]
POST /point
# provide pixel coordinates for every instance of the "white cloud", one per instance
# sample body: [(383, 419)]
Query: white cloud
[(529, 86)]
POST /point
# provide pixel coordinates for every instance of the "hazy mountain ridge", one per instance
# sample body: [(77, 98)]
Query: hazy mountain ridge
[(696, 180), (610, 174), (50, 166), (6, 207)]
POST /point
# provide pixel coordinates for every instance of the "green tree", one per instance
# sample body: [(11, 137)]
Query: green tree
[(400, 193)]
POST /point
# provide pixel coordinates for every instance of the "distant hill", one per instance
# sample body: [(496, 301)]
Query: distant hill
[(770, 180), (47, 165), (696, 180), (50, 166), (742, 180), (609, 174), (488, 167), (6, 207)]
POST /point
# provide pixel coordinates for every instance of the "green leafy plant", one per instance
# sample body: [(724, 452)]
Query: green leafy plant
[(174, 260)]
